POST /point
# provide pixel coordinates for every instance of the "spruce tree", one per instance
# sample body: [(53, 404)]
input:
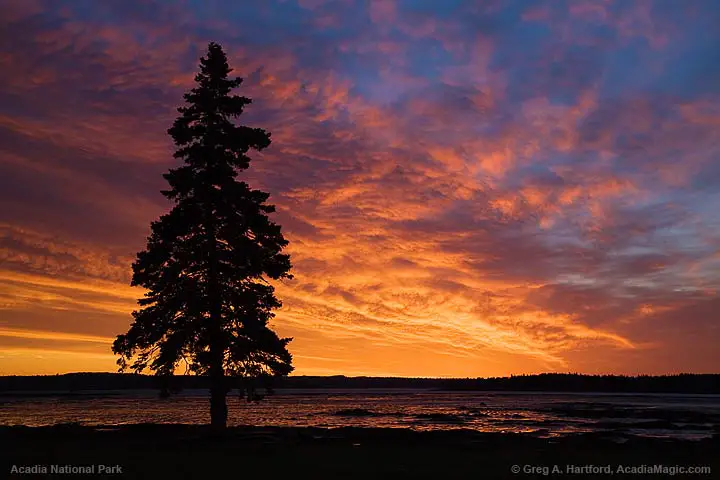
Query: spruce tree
[(207, 262)]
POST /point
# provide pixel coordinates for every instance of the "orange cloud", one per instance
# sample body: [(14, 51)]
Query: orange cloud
[(458, 202)]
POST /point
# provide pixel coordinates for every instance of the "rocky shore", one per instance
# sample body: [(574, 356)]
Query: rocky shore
[(193, 451)]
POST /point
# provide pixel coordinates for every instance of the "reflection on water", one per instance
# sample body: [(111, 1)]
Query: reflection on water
[(544, 414)]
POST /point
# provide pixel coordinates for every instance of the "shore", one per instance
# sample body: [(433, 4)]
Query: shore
[(191, 451)]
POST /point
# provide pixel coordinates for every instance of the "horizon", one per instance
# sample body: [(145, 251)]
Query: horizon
[(638, 375), (468, 191)]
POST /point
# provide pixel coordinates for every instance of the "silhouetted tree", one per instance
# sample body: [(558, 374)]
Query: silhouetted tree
[(205, 266)]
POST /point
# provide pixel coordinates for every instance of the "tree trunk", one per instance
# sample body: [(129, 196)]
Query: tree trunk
[(218, 387), (218, 404)]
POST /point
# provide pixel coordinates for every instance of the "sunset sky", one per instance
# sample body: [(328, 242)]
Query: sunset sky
[(469, 188)]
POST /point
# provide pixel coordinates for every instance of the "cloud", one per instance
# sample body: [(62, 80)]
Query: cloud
[(467, 189)]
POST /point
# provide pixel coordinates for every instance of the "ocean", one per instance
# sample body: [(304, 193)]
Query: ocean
[(540, 414)]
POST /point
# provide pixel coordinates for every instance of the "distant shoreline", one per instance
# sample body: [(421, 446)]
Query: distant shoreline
[(201, 392), (541, 383)]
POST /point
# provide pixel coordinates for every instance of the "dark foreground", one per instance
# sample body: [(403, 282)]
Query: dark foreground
[(193, 452)]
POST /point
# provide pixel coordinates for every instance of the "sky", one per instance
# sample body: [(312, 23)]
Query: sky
[(469, 188)]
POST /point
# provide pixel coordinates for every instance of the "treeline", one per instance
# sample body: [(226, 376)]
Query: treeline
[(572, 382), (546, 382), (131, 381)]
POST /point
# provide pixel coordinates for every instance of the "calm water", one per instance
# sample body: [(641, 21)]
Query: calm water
[(688, 416)]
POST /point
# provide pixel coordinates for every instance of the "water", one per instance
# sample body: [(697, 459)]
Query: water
[(542, 414)]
